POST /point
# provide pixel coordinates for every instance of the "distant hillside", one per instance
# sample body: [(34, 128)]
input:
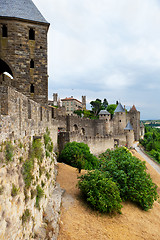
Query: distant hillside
[(152, 123)]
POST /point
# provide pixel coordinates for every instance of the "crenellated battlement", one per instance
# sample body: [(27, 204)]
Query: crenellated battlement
[(22, 117)]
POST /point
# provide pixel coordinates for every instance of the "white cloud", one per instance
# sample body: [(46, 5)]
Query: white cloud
[(98, 46)]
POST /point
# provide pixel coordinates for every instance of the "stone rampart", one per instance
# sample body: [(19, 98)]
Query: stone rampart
[(22, 117), (97, 144)]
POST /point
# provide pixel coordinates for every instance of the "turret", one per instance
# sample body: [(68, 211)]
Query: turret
[(134, 118), (106, 116), (83, 102), (119, 120), (129, 135), (23, 48)]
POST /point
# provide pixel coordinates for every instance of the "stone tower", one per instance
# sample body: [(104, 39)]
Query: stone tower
[(129, 135), (23, 48), (119, 120), (83, 102), (106, 116), (134, 117)]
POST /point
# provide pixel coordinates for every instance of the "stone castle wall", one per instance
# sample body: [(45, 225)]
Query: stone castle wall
[(97, 144), (41, 221), (21, 122), (21, 117)]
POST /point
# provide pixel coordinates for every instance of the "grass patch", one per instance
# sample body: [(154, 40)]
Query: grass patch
[(14, 190), (40, 194), (9, 152), (48, 143), (26, 216)]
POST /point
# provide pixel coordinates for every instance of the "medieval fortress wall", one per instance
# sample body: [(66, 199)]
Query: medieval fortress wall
[(25, 117), (22, 117)]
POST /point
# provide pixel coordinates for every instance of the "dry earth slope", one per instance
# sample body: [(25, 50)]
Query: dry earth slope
[(78, 222)]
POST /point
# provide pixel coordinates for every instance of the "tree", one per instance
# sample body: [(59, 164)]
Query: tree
[(96, 106), (78, 155), (100, 192), (105, 103), (130, 175), (111, 108)]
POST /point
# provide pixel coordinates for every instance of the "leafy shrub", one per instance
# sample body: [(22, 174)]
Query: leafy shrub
[(40, 194), (14, 190), (130, 175), (48, 143), (100, 192), (28, 167), (36, 150), (78, 155), (9, 152), (26, 216)]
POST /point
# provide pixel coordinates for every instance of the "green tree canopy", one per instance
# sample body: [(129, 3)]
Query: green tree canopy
[(96, 106), (111, 108)]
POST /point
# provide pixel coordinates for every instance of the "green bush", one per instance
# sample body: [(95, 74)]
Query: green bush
[(40, 194), (26, 216), (9, 152), (36, 150), (78, 155), (130, 175), (14, 190), (27, 172), (48, 143), (101, 192)]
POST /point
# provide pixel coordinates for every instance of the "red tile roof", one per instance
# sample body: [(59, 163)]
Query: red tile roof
[(70, 99)]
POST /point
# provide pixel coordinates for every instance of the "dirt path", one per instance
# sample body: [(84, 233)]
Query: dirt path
[(155, 165), (78, 222)]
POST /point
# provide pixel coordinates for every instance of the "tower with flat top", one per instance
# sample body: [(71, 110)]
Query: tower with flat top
[(23, 49)]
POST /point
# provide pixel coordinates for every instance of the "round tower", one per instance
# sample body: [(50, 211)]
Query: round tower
[(119, 120), (106, 116), (129, 135), (23, 48), (134, 117), (83, 102)]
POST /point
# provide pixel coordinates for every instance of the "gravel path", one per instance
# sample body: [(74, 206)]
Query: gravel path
[(155, 165)]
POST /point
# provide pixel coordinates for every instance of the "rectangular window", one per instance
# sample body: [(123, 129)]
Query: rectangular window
[(29, 109), (40, 113), (31, 34), (4, 31)]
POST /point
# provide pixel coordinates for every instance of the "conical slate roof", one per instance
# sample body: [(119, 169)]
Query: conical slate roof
[(104, 112), (119, 108), (129, 126), (23, 9)]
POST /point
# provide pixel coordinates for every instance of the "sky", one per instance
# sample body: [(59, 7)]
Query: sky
[(105, 49)]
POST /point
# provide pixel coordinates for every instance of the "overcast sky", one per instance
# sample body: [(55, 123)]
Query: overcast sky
[(105, 49)]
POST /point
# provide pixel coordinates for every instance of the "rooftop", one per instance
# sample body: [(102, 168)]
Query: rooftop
[(21, 9), (133, 109), (129, 126), (104, 112), (70, 99), (119, 108)]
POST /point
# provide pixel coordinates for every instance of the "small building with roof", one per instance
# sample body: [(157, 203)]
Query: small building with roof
[(72, 104)]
